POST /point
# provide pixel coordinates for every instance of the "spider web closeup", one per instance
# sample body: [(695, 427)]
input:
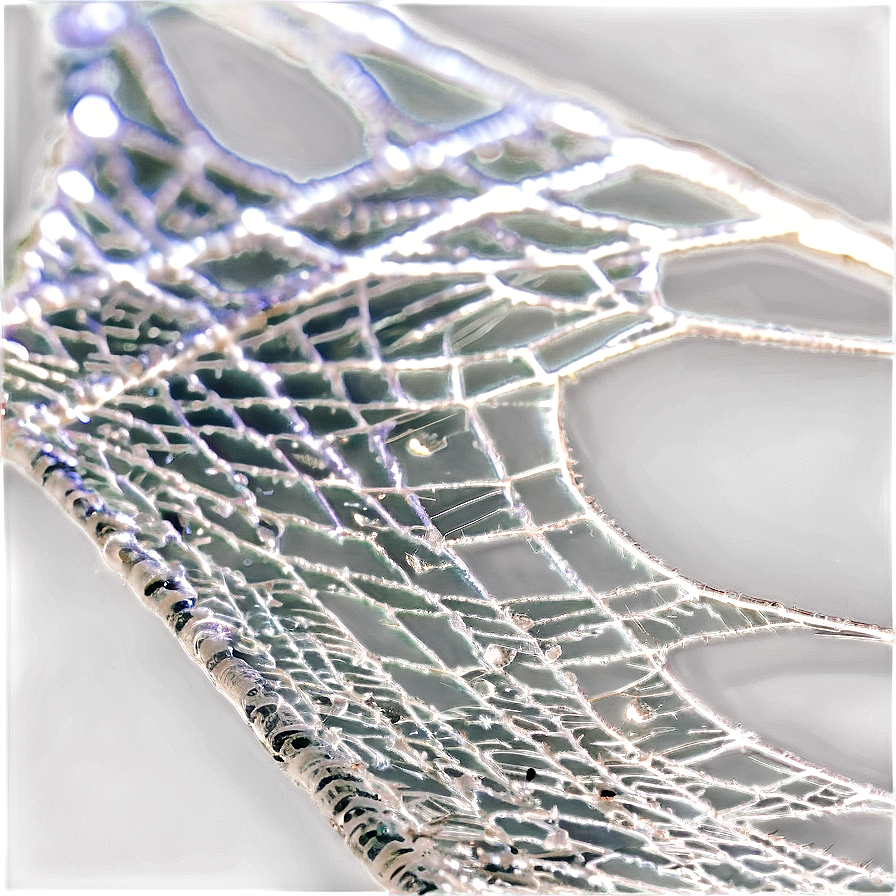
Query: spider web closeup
[(320, 428)]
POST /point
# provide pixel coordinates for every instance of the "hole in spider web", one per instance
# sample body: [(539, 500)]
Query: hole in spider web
[(825, 699), (771, 285), (714, 455), (262, 107)]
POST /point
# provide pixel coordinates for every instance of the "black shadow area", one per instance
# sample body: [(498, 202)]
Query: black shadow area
[(124, 769)]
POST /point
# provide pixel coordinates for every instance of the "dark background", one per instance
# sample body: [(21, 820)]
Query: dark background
[(748, 469)]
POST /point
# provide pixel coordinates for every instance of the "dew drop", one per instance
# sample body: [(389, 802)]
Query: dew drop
[(426, 444), (489, 152), (254, 220), (416, 564), (484, 688), (433, 538), (55, 226), (94, 116), (75, 185), (559, 839), (498, 656), (638, 711)]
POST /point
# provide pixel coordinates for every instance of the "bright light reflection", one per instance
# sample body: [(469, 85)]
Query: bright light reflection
[(75, 185), (95, 116), (103, 17), (386, 32), (396, 157), (254, 220), (578, 120), (55, 226), (181, 257), (833, 238)]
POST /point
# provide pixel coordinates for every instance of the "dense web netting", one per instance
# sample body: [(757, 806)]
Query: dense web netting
[(319, 427)]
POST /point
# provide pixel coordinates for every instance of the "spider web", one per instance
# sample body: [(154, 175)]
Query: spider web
[(319, 428)]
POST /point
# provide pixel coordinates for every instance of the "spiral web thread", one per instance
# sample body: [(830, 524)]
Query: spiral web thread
[(313, 423)]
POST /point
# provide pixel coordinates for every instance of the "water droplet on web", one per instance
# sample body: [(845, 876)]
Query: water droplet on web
[(489, 152), (396, 157), (76, 186), (433, 537), (254, 220), (426, 444), (558, 839), (55, 226), (417, 565), (89, 24), (484, 688), (638, 711), (94, 116), (498, 656)]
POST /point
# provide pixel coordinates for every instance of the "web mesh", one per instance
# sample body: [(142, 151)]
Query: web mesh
[(319, 427)]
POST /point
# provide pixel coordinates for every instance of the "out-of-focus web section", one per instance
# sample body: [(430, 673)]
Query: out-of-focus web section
[(319, 427)]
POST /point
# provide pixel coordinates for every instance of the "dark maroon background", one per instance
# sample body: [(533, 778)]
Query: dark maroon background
[(748, 469)]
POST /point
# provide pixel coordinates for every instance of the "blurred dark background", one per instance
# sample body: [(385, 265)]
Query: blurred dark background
[(748, 469)]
